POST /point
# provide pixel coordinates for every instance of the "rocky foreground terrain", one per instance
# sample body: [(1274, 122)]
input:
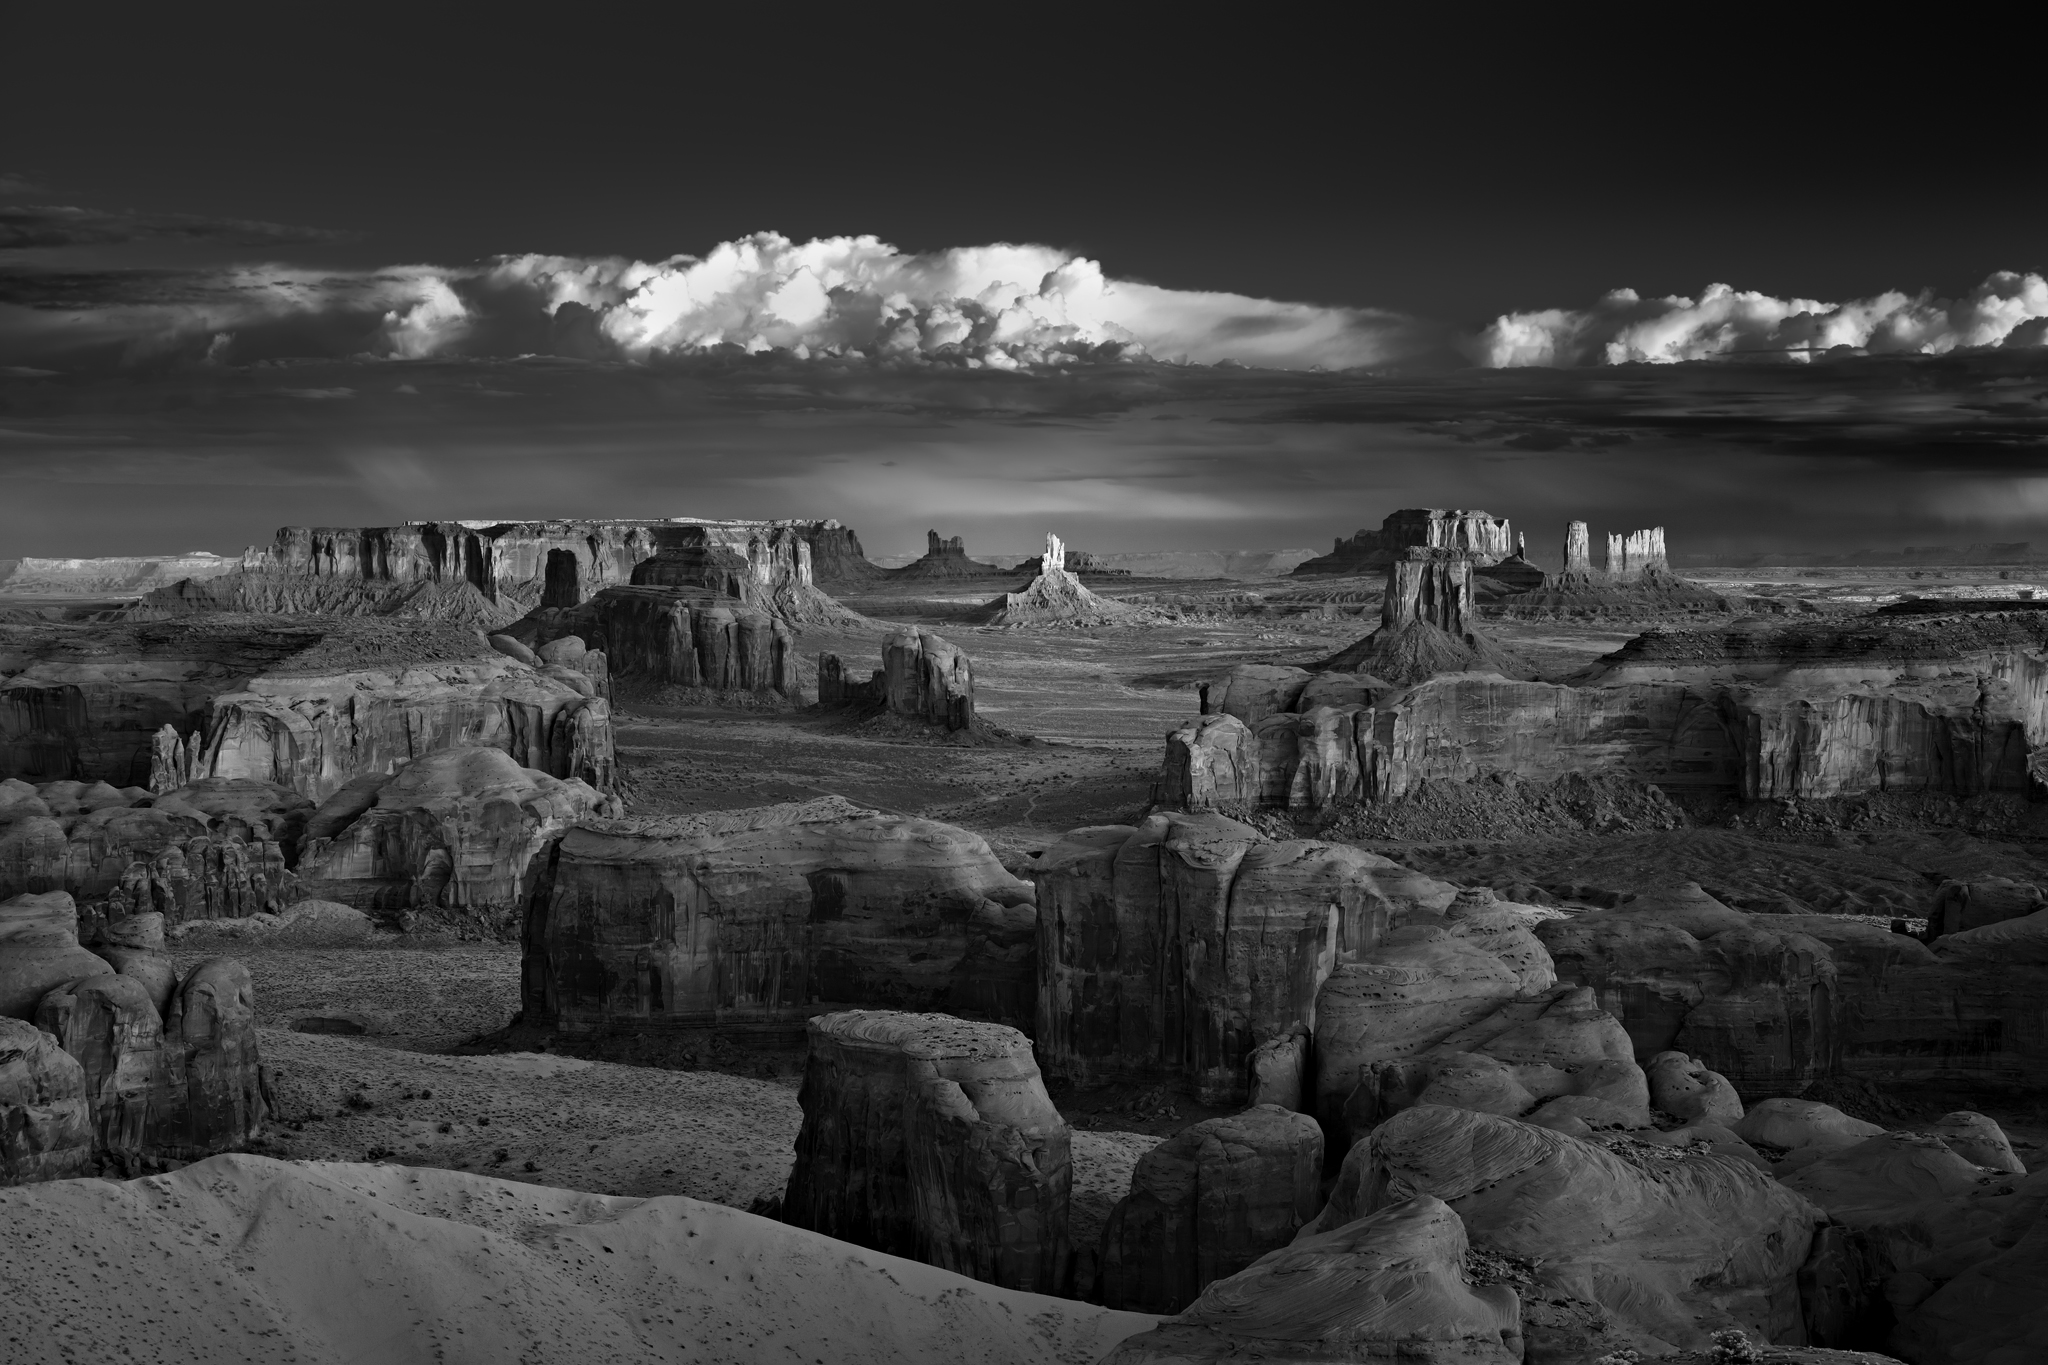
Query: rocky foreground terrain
[(701, 943)]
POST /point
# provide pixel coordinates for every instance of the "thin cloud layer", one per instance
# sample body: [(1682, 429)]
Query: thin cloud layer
[(999, 307), (2007, 309)]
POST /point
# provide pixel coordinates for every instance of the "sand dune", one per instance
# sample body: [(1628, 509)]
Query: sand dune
[(244, 1258)]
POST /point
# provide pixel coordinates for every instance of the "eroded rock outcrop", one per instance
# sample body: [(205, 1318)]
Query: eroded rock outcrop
[(1666, 1245), (944, 557), (1391, 1286), (678, 636), (212, 849), (1426, 627), (1478, 536), (452, 834), (1206, 1203), (931, 1137), (140, 1080), (1056, 597), (757, 916), (1169, 950), (923, 679)]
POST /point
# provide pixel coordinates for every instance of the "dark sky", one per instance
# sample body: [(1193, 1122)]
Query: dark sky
[(1448, 170)]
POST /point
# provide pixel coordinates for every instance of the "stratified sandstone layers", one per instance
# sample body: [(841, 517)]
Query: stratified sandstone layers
[(931, 1137), (757, 916), (1170, 950), (1206, 1203), (119, 576), (302, 705), (156, 1070), (923, 679), (1636, 553), (1392, 1286), (1478, 536), (680, 637), (452, 834), (1766, 714), (1665, 1245)]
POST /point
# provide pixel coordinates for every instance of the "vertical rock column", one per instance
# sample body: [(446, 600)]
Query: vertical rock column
[(1435, 591), (932, 1137), (1578, 551)]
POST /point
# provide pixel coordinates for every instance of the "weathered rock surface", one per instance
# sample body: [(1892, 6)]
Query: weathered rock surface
[(923, 679), (1750, 999), (1426, 628), (1667, 1246), (1978, 1139), (1206, 1203), (1391, 1286), (1989, 1313), (680, 636), (1685, 1088), (1282, 1071), (754, 916), (931, 1137), (134, 947), (46, 1123), (1169, 950), (216, 848), (1479, 536), (453, 833), (1960, 905), (944, 557), (140, 1079)]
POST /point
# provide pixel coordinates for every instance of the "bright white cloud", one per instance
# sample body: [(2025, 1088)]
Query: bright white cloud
[(2007, 309)]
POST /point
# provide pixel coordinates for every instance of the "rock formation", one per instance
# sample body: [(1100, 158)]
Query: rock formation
[(1664, 1246), (1686, 1089), (1960, 905), (1988, 1311), (1170, 950), (46, 1123), (1206, 1203), (1425, 627), (758, 916), (1750, 999), (217, 848), (1636, 554), (117, 576), (923, 679), (1477, 536), (129, 1079), (1392, 1286), (944, 557), (1578, 554), (930, 1137), (676, 637), (450, 835), (1056, 597)]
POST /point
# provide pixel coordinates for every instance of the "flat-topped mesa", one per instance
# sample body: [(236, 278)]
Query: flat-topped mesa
[(553, 563), (945, 557), (1635, 554), (1479, 536)]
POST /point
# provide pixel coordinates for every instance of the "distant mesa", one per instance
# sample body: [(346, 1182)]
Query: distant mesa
[(945, 557), (1478, 536), (1056, 597)]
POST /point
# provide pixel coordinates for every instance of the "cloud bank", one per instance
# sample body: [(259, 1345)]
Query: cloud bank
[(1000, 307), (2006, 310)]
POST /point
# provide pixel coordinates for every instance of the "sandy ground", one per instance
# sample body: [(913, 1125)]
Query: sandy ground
[(247, 1259)]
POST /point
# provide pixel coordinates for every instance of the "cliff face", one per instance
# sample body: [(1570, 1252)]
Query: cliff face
[(755, 915), (1755, 743), (1636, 553), (552, 563), (1479, 536), (682, 636), (944, 557)]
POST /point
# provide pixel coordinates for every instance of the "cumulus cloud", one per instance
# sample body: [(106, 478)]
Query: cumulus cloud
[(2007, 309), (1001, 306)]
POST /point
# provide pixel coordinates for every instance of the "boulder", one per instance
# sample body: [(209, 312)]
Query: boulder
[(757, 916), (1252, 692), (1212, 763), (1960, 905), (1684, 1088), (1666, 1246), (39, 951), (1392, 1286), (1169, 950), (931, 1137), (512, 649), (46, 1124), (452, 833), (324, 921), (1802, 1126), (1206, 1203), (1979, 1140)]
